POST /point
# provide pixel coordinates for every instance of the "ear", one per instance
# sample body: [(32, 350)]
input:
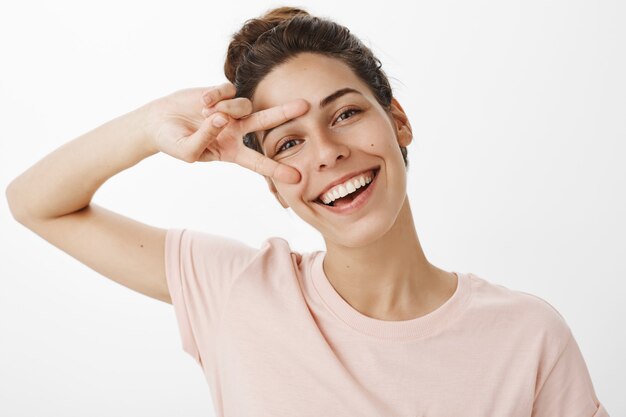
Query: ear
[(273, 190), (401, 121)]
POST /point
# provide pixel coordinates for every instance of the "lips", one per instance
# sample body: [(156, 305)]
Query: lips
[(343, 179)]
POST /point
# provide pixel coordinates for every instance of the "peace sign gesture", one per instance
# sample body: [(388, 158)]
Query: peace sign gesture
[(182, 125)]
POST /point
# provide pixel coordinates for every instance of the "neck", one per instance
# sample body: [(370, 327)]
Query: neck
[(389, 279)]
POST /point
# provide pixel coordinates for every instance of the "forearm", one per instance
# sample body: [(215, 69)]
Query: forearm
[(65, 180)]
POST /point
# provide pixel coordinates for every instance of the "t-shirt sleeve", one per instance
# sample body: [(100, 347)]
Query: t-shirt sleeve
[(200, 269), (567, 391)]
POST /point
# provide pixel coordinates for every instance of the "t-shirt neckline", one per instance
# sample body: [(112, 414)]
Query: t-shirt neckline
[(416, 328)]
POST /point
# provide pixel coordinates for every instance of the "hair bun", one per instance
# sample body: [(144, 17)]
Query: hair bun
[(243, 40)]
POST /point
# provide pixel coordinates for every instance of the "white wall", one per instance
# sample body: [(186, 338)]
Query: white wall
[(517, 174)]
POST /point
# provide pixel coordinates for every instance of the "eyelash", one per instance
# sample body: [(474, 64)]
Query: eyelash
[(355, 111)]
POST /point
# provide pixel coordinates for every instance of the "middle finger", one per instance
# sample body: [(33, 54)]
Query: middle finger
[(273, 116)]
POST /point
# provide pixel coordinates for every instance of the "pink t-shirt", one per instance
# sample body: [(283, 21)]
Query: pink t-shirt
[(275, 339)]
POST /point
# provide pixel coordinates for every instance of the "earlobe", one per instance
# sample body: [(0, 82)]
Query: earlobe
[(401, 120)]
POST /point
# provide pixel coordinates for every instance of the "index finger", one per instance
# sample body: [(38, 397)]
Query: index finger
[(265, 166)]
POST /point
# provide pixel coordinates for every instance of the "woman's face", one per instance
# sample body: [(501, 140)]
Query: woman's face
[(349, 134)]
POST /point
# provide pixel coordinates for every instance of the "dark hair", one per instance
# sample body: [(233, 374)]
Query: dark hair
[(282, 33)]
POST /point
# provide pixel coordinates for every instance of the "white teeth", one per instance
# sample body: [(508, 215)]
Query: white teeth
[(346, 188)]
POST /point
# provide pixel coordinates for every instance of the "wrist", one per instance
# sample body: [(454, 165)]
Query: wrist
[(140, 119)]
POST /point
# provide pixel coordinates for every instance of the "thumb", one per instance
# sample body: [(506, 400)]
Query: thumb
[(206, 134)]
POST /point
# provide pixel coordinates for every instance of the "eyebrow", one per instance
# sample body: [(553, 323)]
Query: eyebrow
[(323, 103)]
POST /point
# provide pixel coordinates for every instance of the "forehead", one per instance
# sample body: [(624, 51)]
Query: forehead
[(309, 76)]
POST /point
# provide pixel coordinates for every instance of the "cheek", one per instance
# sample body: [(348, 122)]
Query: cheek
[(379, 141), (376, 133), (292, 194)]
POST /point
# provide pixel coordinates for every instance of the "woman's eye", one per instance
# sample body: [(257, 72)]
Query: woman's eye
[(291, 140), (282, 148), (354, 111)]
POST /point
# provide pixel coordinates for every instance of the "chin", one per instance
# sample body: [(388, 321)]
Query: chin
[(360, 229), (361, 234)]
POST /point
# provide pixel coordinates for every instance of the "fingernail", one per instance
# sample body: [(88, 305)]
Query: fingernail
[(207, 98), (219, 121)]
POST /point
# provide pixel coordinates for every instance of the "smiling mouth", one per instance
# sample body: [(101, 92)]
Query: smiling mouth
[(352, 195)]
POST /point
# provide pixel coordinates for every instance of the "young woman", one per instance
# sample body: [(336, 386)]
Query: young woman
[(368, 327)]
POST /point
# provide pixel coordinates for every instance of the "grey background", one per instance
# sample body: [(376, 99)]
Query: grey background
[(516, 174)]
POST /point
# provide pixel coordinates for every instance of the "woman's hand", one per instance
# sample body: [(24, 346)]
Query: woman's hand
[(181, 125)]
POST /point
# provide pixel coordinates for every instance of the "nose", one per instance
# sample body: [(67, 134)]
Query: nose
[(328, 148)]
